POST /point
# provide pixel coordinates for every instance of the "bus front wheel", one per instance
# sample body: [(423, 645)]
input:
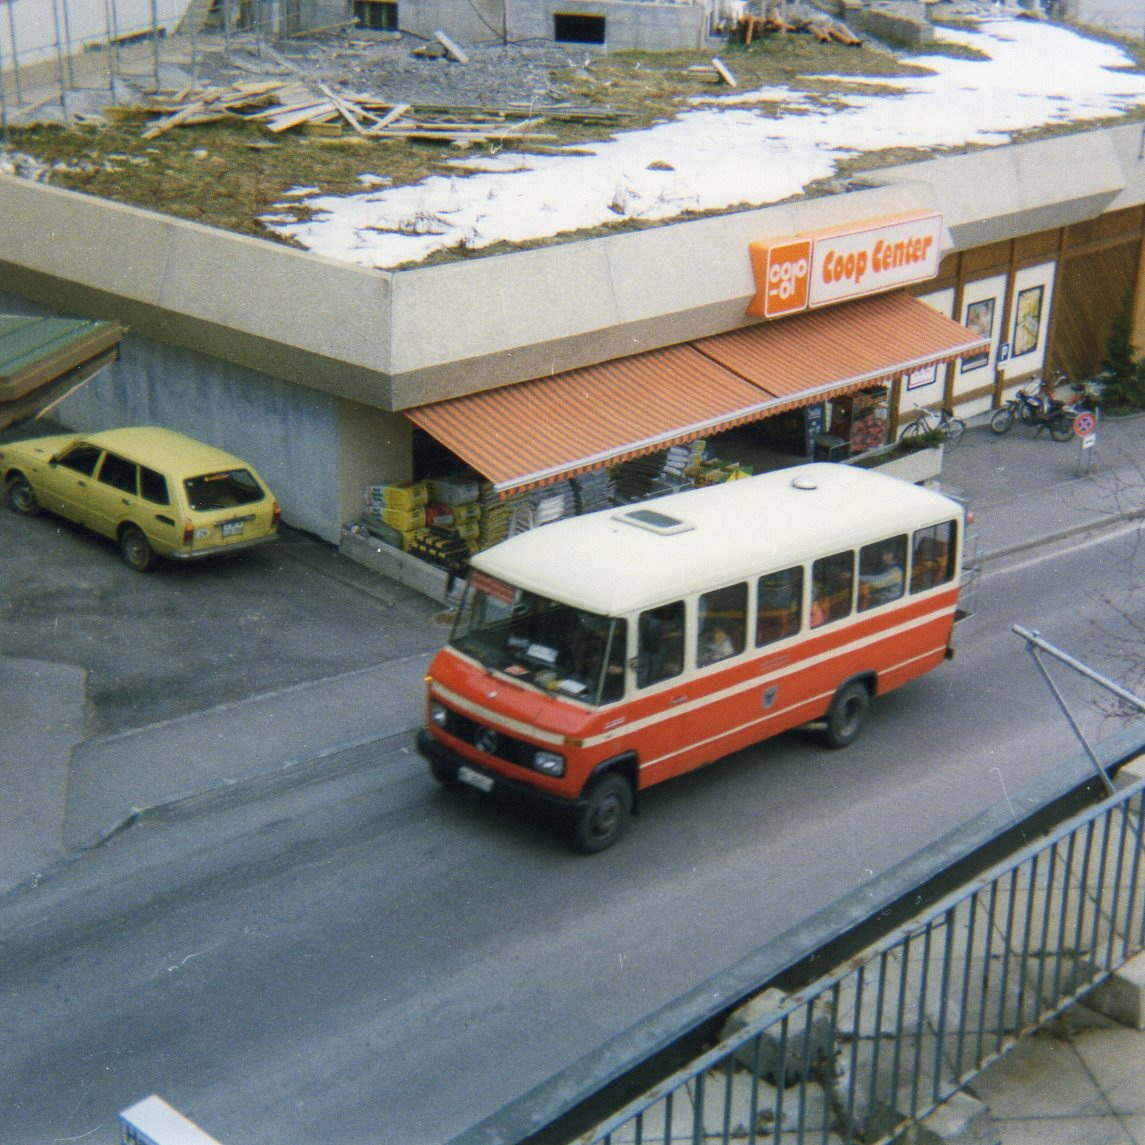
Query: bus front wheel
[(847, 714), (604, 815)]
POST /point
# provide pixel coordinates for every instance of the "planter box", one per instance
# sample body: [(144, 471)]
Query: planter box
[(917, 467)]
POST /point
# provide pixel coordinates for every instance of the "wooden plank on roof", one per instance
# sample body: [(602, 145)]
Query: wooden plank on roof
[(723, 72), (454, 52)]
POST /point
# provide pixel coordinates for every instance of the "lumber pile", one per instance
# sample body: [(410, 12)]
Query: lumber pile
[(280, 106), (717, 72), (777, 20)]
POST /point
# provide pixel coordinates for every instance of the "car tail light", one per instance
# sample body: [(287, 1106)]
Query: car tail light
[(188, 533), (275, 514)]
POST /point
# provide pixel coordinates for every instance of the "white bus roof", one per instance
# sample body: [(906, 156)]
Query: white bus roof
[(605, 563)]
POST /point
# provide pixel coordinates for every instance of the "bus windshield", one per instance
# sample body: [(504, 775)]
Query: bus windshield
[(554, 647)]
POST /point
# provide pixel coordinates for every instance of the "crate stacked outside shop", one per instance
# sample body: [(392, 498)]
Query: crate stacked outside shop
[(437, 521), (445, 520)]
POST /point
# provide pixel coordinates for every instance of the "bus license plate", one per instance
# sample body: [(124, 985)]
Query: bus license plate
[(475, 779), (232, 528)]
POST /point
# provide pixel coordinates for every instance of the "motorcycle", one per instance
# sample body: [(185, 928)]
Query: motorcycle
[(1023, 406), (1057, 417), (1042, 410)]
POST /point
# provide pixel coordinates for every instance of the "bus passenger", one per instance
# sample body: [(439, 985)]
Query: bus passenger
[(884, 583), (715, 644)]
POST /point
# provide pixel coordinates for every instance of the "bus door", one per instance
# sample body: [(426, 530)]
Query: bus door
[(662, 690)]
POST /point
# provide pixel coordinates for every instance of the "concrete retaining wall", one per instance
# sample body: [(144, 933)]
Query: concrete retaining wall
[(628, 24)]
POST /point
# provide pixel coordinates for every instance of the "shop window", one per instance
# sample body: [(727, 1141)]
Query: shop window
[(569, 28), (932, 556), (376, 15), (882, 572), (779, 599), (832, 580), (722, 624)]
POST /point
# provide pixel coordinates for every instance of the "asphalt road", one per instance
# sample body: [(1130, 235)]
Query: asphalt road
[(372, 961), (187, 637)]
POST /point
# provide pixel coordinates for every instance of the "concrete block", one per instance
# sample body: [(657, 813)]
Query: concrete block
[(1122, 997), (960, 1121), (806, 1037), (433, 582)]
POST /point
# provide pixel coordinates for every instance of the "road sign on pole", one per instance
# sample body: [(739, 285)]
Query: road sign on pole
[(1084, 424), (1085, 430)]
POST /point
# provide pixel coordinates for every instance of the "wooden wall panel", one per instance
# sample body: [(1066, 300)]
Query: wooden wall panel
[(1092, 289)]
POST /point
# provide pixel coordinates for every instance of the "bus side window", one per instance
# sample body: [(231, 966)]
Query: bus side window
[(778, 601), (882, 572), (932, 556), (660, 648), (722, 624), (832, 583)]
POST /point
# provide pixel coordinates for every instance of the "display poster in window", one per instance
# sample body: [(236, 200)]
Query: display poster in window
[(1028, 320), (922, 377), (980, 319)]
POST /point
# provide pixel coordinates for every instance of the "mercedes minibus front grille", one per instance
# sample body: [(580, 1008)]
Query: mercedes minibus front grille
[(485, 739)]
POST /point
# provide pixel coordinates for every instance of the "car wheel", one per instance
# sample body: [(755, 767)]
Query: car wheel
[(21, 498), (847, 714), (605, 814), (135, 550)]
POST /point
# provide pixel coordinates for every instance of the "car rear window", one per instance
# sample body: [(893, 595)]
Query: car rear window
[(224, 490)]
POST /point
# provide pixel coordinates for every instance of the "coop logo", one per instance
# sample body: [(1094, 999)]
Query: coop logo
[(828, 266), (784, 269)]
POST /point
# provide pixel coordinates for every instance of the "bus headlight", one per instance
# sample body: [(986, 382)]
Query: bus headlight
[(549, 763), (437, 713)]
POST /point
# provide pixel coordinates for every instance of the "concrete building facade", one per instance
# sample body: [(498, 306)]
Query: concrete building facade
[(310, 368)]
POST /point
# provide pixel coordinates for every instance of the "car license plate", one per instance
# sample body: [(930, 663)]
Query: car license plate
[(232, 528), (475, 779)]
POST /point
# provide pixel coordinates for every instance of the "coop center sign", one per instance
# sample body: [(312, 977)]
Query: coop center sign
[(822, 267)]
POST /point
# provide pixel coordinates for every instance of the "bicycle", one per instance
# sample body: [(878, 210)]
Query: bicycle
[(927, 421)]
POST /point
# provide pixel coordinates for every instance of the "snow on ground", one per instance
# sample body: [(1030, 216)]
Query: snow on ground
[(732, 151)]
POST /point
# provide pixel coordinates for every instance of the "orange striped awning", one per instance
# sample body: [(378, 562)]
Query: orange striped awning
[(533, 433)]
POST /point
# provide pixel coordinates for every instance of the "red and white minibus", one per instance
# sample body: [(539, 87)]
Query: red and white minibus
[(596, 656)]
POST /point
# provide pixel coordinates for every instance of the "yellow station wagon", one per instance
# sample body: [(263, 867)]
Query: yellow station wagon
[(154, 491)]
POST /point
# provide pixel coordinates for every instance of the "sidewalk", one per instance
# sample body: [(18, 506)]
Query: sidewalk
[(62, 794)]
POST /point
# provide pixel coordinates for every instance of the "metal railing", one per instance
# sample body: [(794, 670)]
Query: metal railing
[(878, 1044)]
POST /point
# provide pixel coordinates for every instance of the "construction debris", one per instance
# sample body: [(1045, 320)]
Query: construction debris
[(451, 49), (284, 106), (716, 72), (779, 20)]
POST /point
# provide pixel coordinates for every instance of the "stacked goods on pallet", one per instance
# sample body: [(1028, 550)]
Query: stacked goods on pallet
[(442, 548), (657, 473), (496, 520), (459, 489), (395, 512), (592, 491), (713, 471)]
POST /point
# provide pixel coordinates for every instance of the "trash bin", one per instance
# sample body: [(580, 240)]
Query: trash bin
[(828, 447)]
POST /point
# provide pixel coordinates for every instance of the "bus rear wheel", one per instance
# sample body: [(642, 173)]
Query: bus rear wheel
[(604, 815), (847, 714)]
